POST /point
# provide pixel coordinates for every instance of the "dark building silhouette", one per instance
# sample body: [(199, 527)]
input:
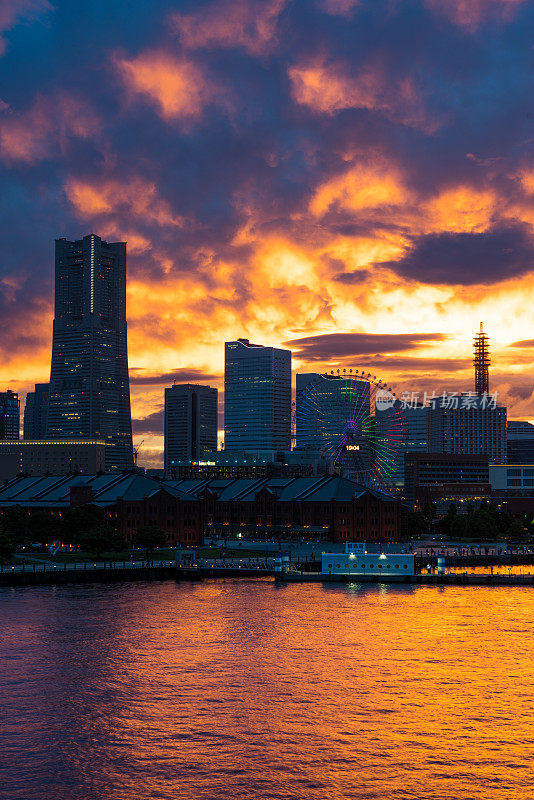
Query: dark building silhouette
[(89, 386), (446, 478), (36, 412), (190, 423), (520, 442), (9, 415)]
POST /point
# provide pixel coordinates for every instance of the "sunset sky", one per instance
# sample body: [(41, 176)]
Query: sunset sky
[(353, 179)]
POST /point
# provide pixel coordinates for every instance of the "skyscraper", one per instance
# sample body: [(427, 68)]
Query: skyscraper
[(322, 417), (9, 415), (257, 397), (36, 412), (89, 386), (190, 423), (325, 405)]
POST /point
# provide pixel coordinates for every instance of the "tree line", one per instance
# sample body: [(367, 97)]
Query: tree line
[(87, 527), (486, 522)]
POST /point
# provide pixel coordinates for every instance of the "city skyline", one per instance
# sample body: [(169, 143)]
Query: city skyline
[(259, 369), (314, 189), (408, 400)]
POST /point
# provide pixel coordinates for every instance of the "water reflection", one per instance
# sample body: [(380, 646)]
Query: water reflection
[(249, 690)]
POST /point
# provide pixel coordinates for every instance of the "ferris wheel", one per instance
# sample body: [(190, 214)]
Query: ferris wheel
[(355, 420)]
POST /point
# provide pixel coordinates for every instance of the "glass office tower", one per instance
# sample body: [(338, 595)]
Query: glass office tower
[(89, 386), (257, 397), (190, 423)]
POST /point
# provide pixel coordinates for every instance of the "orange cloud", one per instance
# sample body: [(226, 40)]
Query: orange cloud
[(328, 87), (470, 14), (365, 186), (527, 181), (135, 198), (246, 24), (46, 127), (176, 86), (460, 209), (378, 188)]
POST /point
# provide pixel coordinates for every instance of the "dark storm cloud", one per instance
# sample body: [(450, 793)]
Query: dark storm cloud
[(352, 278), (178, 376), (266, 152), (330, 346), (153, 424), (418, 365), (522, 392), (467, 258)]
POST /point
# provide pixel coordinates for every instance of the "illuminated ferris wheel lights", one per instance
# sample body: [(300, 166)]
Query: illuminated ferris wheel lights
[(340, 416)]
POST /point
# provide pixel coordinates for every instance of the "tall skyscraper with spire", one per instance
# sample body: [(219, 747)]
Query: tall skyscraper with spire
[(89, 386)]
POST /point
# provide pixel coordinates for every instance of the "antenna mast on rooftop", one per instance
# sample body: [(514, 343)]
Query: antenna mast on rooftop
[(481, 362)]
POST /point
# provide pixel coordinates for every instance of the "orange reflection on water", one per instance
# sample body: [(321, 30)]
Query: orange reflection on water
[(249, 689)]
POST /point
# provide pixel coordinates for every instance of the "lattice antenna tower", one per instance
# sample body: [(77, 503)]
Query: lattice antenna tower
[(481, 362)]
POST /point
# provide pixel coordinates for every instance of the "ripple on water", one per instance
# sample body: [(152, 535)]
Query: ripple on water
[(249, 690)]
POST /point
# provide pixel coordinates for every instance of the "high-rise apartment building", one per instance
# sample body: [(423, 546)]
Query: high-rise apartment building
[(36, 412), (9, 415), (257, 397), (89, 386), (475, 427), (190, 423)]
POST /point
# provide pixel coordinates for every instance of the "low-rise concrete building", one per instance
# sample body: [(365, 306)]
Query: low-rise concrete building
[(516, 479), (51, 457), (250, 464), (445, 478)]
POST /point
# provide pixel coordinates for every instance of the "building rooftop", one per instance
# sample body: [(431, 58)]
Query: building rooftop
[(108, 488), (55, 442)]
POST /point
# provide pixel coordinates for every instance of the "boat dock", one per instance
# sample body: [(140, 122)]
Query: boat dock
[(448, 579)]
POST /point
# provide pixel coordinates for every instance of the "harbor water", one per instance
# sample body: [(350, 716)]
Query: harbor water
[(249, 689)]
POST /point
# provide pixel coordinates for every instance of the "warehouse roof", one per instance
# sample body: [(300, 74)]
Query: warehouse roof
[(54, 491), (312, 488)]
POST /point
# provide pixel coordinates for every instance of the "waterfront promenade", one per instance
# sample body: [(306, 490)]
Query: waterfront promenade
[(43, 572)]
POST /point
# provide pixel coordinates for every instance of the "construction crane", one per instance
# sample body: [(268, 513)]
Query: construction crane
[(136, 449)]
